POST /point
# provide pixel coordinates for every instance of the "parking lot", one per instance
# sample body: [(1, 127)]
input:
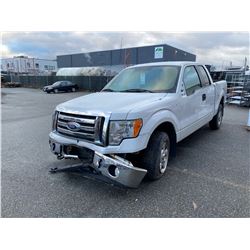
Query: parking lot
[(208, 178)]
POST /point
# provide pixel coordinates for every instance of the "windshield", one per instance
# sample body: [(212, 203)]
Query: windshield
[(145, 79), (56, 84)]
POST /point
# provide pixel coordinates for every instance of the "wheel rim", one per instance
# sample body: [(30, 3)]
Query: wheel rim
[(164, 158)]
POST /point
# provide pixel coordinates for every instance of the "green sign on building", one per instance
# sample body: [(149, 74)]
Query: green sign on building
[(158, 52)]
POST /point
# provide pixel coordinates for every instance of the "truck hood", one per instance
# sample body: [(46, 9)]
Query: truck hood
[(118, 105)]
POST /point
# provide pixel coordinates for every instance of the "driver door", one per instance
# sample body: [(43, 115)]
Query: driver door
[(190, 101)]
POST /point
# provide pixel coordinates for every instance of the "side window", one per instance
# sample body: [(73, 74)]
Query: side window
[(204, 77), (191, 80)]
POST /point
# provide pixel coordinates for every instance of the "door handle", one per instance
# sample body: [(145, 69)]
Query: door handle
[(204, 97)]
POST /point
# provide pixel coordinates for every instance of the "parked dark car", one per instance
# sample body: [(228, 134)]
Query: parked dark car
[(61, 86)]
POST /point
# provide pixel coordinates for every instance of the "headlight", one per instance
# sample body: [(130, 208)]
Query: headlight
[(119, 130), (54, 120)]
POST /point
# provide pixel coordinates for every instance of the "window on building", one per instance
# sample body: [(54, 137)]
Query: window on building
[(8, 65), (37, 65), (46, 67), (51, 67), (28, 64)]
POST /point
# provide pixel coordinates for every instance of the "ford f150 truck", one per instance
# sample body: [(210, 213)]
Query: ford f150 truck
[(131, 127)]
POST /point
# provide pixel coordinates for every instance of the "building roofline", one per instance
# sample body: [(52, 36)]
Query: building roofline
[(153, 45), (8, 58)]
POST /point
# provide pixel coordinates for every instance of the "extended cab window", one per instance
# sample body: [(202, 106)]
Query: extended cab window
[(191, 80), (203, 74)]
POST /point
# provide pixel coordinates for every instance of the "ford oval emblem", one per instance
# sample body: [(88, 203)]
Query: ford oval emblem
[(74, 126)]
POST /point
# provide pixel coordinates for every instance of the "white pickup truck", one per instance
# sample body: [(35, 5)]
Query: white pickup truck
[(130, 128)]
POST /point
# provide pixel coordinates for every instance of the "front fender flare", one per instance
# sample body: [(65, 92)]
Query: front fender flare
[(157, 119)]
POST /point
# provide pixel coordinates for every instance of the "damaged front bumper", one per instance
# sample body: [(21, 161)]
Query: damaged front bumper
[(111, 166)]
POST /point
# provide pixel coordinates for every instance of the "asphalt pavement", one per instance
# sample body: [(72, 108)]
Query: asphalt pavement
[(210, 177)]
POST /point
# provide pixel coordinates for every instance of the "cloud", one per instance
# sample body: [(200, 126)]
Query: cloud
[(210, 47), (5, 52)]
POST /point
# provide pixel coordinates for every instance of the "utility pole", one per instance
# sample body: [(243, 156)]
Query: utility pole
[(245, 63), (121, 50), (121, 43), (222, 65)]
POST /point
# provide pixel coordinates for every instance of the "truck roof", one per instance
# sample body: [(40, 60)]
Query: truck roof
[(175, 63)]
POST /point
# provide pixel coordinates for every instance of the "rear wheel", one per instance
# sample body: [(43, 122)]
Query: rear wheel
[(155, 157), (215, 123), (73, 89)]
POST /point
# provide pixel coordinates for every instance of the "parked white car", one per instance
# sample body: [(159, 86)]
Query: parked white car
[(130, 128)]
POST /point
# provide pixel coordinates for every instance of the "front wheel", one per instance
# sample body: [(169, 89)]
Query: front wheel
[(56, 91), (215, 123), (155, 157), (73, 89)]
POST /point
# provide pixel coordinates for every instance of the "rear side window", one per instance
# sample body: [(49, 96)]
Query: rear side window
[(191, 80), (203, 74)]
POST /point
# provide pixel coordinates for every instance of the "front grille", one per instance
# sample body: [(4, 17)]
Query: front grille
[(90, 126)]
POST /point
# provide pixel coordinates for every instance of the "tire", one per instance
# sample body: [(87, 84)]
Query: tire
[(56, 91), (215, 123), (155, 157), (73, 89)]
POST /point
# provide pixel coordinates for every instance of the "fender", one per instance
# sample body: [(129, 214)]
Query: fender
[(157, 119)]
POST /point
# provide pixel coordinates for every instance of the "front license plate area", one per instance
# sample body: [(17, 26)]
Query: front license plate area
[(84, 154)]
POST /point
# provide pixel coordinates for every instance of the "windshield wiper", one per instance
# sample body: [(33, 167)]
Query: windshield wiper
[(137, 90), (107, 90)]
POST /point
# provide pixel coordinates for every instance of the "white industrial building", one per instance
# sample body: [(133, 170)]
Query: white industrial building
[(27, 65)]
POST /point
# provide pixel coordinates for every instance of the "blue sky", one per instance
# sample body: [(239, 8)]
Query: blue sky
[(217, 48)]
